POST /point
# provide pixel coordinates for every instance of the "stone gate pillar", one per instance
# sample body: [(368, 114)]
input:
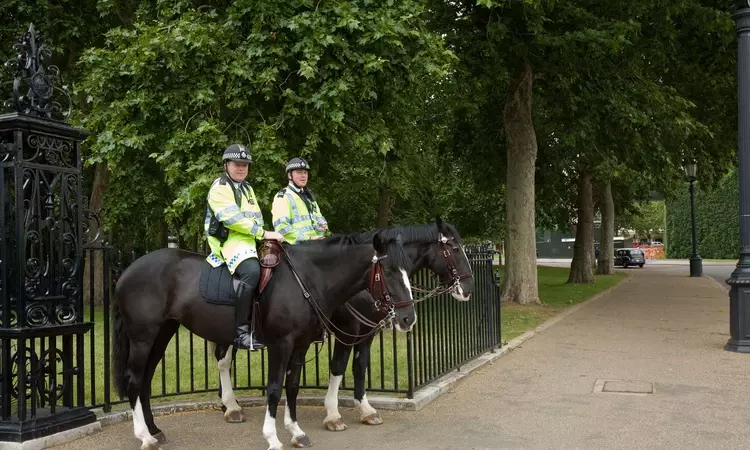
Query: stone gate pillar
[(41, 262)]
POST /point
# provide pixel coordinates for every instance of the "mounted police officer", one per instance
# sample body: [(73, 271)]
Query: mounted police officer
[(296, 214), (233, 225)]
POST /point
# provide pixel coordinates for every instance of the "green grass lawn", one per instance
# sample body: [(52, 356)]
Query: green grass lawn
[(555, 296), (249, 368), (174, 375), (719, 260)]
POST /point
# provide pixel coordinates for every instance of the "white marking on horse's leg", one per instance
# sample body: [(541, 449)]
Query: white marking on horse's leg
[(332, 398), (227, 393), (140, 429), (364, 407), (269, 431), (291, 427)]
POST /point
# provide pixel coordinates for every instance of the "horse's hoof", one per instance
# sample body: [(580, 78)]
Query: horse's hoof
[(276, 448), (161, 437), (234, 416), (372, 419), (301, 441), (335, 425)]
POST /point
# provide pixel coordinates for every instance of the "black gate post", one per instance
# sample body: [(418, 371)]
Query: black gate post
[(41, 259)]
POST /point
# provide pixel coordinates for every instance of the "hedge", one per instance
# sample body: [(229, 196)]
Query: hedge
[(717, 216)]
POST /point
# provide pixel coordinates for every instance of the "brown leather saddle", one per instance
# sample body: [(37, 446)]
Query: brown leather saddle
[(269, 257)]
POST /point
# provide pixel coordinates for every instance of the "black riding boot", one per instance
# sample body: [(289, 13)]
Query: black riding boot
[(245, 337)]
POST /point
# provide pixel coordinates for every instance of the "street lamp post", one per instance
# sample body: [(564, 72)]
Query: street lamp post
[(739, 281), (696, 262)]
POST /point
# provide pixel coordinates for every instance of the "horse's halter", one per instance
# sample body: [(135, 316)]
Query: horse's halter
[(383, 302), (451, 265)]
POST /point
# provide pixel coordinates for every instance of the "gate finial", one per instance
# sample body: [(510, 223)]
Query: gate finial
[(34, 83)]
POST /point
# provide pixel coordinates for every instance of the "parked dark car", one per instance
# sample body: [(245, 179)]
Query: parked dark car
[(626, 257)]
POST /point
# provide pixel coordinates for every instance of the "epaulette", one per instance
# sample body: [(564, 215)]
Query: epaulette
[(281, 193)]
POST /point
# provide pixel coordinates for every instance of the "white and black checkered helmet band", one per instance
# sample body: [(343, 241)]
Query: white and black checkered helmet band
[(297, 163), (238, 153)]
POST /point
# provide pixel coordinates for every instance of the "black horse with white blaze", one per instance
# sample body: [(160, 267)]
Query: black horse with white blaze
[(160, 291), (437, 247)]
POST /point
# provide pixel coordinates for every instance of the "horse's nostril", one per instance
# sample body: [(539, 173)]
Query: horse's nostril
[(407, 320)]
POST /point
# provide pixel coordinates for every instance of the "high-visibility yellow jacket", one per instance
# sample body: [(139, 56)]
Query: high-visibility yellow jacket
[(296, 215), (244, 221)]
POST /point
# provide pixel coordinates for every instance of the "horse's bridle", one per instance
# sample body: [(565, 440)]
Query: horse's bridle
[(451, 265), (383, 302), (376, 275)]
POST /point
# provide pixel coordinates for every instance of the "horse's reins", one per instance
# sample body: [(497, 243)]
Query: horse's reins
[(328, 324)]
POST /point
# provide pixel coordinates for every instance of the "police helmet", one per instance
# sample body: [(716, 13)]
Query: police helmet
[(296, 164), (237, 153)]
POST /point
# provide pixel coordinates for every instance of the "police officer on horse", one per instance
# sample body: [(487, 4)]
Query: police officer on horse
[(233, 225), (296, 214)]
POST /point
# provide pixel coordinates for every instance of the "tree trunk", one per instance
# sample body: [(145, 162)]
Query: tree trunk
[(520, 283), (164, 233), (384, 208), (606, 263), (583, 250), (98, 189)]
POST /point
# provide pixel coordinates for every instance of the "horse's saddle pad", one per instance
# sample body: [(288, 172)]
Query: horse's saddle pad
[(219, 287)]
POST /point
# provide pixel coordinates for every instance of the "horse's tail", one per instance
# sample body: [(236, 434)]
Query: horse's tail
[(120, 352)]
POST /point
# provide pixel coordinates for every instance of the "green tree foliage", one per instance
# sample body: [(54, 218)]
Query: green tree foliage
[(647, 221), (332, 82), (717, 217), (68, 26)]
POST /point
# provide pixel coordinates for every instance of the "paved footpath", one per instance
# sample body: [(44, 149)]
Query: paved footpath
[(656, 327)]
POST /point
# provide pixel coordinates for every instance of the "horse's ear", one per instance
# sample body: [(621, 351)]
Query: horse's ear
[(399, 240), (378, 243), (439, 223)]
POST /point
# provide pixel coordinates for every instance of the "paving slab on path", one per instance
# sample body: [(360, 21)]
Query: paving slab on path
[(642, 367)]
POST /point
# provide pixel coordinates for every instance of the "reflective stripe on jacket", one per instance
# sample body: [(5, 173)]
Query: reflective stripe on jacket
[(245, 224), (293, 219)]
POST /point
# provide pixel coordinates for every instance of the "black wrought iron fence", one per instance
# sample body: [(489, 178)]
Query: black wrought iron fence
[(448, 333)]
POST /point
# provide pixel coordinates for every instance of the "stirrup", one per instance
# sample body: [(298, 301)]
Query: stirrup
[(246, 341)]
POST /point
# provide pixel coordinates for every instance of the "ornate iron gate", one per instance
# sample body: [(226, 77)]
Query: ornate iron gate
[(41, 328)]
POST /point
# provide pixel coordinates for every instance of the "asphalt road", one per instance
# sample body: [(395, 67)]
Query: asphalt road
[(719, 271)]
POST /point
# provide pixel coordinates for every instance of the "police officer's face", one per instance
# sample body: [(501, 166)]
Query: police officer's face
[(299, 177), (237, 170)]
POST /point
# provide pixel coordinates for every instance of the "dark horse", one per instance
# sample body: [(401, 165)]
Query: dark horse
[(160, 291), (437, 247)]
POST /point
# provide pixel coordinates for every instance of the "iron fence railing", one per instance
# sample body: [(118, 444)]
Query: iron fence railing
[(448, 334)]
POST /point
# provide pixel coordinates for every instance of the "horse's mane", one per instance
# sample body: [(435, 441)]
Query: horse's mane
[(420, 234), (397, 258)]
